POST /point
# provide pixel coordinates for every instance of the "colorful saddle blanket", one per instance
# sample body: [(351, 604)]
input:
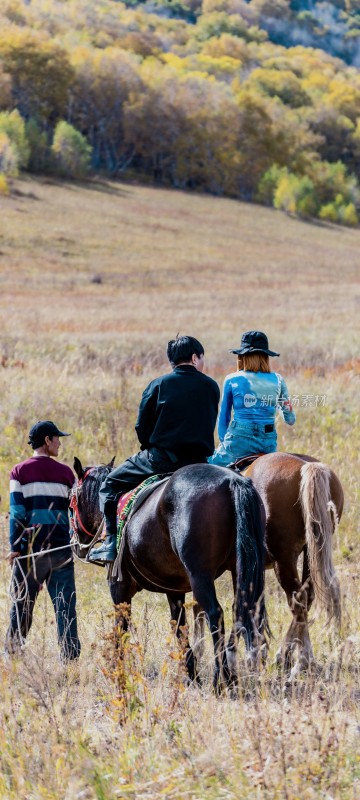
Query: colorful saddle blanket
[(131, 501)]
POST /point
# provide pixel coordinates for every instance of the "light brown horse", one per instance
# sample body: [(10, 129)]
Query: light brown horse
[(303, 501)]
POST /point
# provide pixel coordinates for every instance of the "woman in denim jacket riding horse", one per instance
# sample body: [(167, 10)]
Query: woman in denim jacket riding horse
[(254, 394)]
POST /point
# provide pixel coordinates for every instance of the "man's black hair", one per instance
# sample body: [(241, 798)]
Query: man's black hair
[(182, 348), (38, 441)]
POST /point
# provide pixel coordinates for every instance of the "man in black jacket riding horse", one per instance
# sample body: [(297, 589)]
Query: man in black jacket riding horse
[(175, 427)]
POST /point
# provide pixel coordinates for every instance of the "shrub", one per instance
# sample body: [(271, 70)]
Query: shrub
[(71, 151), (296, 194), (339, 211), (329, 212), (328, 192), (332, 181), (286, 192), (13, 125), (348, 215), (268, 183), (39, 154), (307, 204), (8, 156), (4, 186)]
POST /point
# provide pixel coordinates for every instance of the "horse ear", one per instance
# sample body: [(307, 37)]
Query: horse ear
[(78, 468), (111, 463)]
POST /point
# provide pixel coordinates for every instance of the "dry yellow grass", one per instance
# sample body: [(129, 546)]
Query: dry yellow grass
[(94, 280)]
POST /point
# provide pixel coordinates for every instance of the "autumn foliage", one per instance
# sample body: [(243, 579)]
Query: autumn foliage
[(219, 97)]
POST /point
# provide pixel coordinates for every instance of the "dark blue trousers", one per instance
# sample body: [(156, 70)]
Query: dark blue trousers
[(128, 476), (59, 577)]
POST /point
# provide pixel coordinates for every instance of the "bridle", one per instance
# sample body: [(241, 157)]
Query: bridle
[(76, 523)]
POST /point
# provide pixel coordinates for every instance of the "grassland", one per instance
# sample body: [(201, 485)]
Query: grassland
[(94, 280)]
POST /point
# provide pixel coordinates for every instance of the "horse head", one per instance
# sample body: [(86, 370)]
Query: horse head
[(84, 510)]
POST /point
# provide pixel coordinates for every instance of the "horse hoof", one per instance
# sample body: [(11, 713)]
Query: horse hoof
[(301, 667), (233, 692), (231, 661), (194, 680), (217, 684), (264, 654), (283, 660), (252, 660)]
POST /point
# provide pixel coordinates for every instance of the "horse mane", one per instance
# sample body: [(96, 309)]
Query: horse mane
[(92, 484)]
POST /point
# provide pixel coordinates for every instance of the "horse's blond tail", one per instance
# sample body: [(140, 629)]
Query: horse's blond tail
[(320, 519)]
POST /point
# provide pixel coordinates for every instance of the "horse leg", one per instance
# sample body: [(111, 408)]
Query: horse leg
[(252, 654), (307, 581), (178, 618), (199, 632), (298, 633), (306, 657), (231, 647), (303, 601), (204, 592)]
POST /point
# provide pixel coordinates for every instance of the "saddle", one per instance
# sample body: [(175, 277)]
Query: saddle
[(130, 501), (241, 464), (127, 505)]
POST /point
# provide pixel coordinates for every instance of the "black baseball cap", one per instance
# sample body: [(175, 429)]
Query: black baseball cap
[(42, 429), (254, 342)]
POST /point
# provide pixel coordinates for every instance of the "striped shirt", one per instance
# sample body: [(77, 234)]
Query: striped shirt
[(39, 501)]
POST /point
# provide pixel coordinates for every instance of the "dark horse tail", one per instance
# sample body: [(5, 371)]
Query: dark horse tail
[(251, 617)]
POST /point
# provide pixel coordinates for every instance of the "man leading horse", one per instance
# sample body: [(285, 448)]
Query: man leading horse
[(175, 428)]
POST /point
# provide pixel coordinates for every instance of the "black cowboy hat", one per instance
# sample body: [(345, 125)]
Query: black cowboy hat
[(254, 342)]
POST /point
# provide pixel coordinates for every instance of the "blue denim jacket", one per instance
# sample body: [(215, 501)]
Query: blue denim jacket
[(254, 397)]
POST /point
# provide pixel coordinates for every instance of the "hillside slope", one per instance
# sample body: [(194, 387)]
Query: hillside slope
[(117, 266)]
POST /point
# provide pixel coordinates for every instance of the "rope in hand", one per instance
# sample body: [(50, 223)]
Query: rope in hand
[(19, 590), (14, 593)]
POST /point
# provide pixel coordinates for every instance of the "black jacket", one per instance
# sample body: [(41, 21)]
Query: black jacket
[(178, 414)]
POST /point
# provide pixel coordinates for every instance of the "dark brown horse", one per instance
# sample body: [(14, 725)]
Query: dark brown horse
[(303, 501), (201, 522)]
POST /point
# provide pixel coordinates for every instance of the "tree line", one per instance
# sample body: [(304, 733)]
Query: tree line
[(197, 97)]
